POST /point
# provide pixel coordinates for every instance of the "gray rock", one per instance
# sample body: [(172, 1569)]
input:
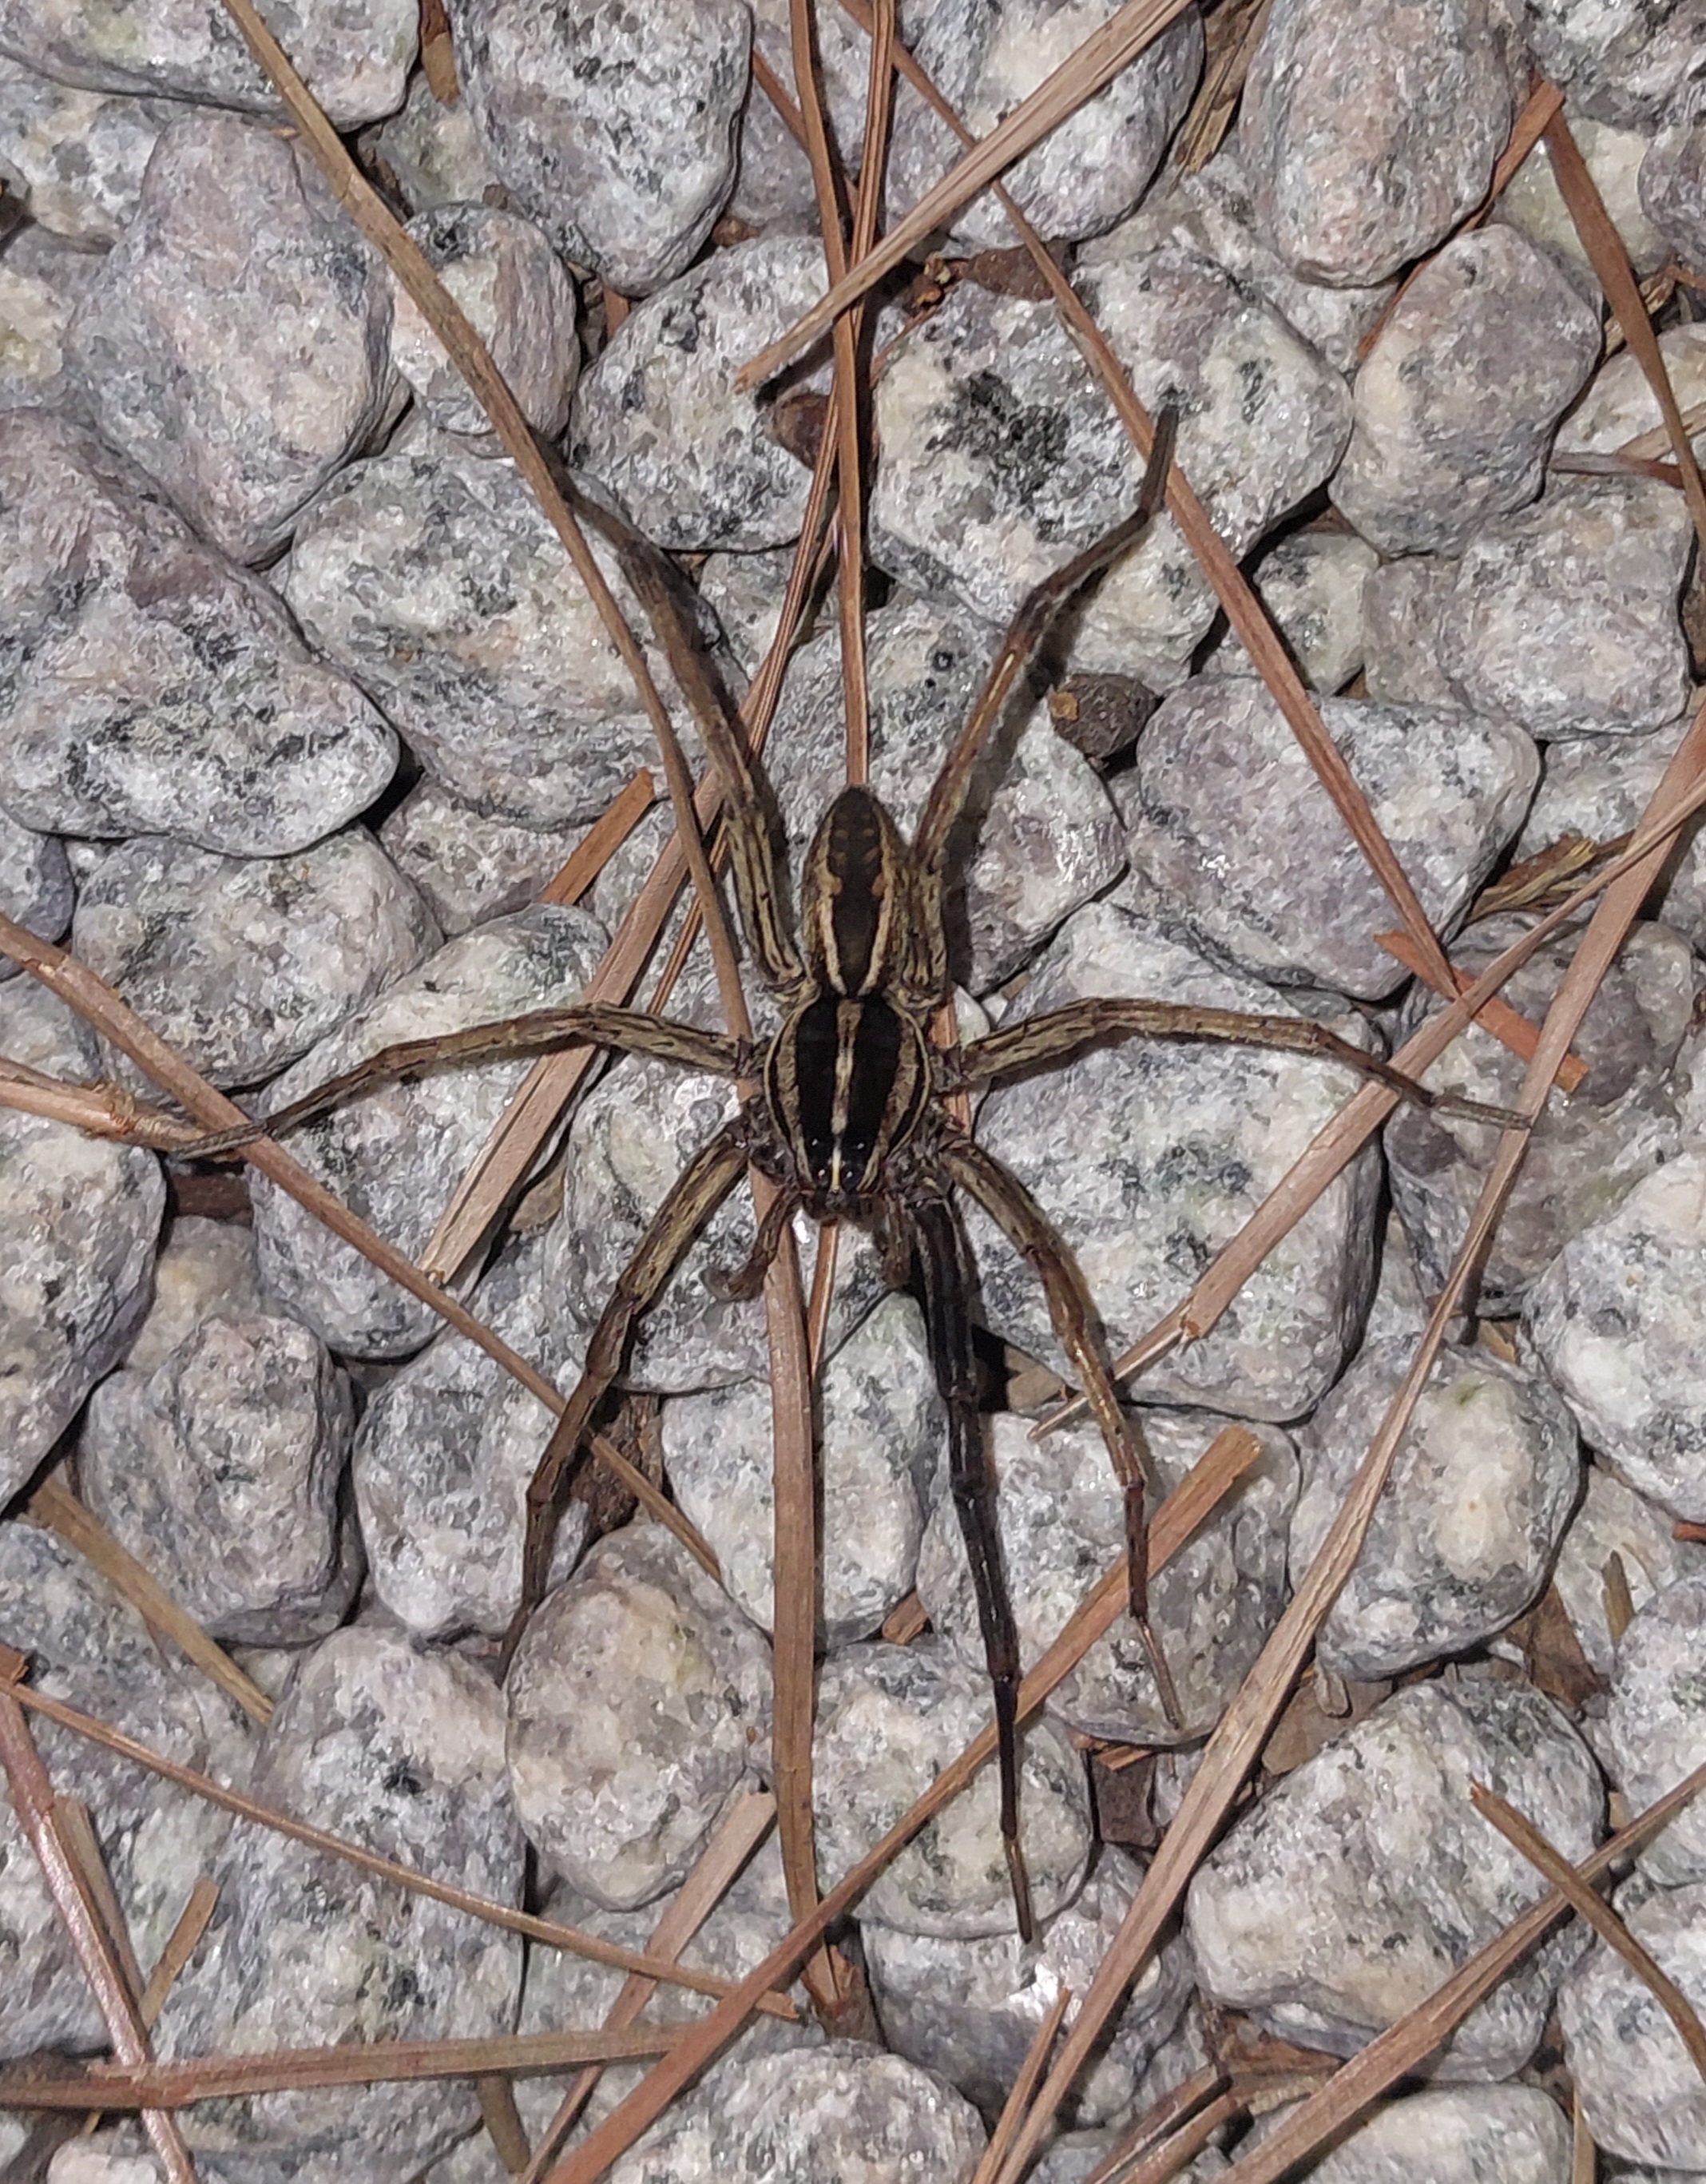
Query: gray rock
[(1063, 1526), (244, 963), (745, 592), (401, 1753), (42, 280), (1588, 1148), (205, 1267), (236, 344), (355, 55), (394, 1154), (1532, 200), (431, 574), (36, 885), (969, 2010), (512, 287), (1641, 2096), (890, 1718), (879, 1426), (93, 1650), (1455, 2135), (1456, 401), (1044, 839), (1086, 173), (832, 2111), (1655, 1723), (221, 1470), (433, 153), (75, 157), (1615, 1320), (1621, 62), (78, 1220), (1329, 1950), (1613, 1520), (659, 422), (614, 128), (1000, 463), (1564, 617), (443, 1460), (1370, 130), (1312, 587), (639, 1703), (1600, 786), (1230, 821), (149, 687), (1150, 1156), (1212, 212), (1670, 177), (469, 867), (774, 187), (1464, 1535), (1620, 404), (1404, 605)]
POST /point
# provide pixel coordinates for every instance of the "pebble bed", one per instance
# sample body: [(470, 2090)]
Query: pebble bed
[(301, 707)]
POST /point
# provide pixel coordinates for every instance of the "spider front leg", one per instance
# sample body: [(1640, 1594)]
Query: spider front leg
[(591, 1023), (693, 1198), (1028, 1228), (944, 1267)]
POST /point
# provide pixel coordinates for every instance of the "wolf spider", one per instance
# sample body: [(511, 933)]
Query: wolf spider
[(847, 1111)]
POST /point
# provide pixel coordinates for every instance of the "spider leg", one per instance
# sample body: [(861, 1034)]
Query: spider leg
[(1051, 1041), (693, 1198), (1028, 1228), (592, 1023), (945, 1269), (745, 1281)]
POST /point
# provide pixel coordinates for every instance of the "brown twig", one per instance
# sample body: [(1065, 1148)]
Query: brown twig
[(601, 840), (1020, 2093)]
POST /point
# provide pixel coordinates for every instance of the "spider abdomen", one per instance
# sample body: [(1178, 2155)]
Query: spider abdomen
[(847, 1082)]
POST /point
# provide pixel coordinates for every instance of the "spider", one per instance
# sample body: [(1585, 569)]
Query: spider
[(845, 1109)]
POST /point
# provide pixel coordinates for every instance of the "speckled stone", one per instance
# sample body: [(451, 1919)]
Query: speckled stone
[(1616, 1318), (1312, 587), (204, 1268), (471, 868), (1044, 839), (659, 422), (1151, 1156), (613, 126), (969, 2010), (100, 2161), (1212, 212), (244, 963), (774, 187), (1641, 2096), (221, 1472), (840, 2111), (1563, 616), (432, 575), (1062, 1527), (878, 1427), (1230, 821), (1619, 61), (78, 1220), (75, 157), (35, 886), (1456, 401), (394, 1154), (890, 1717), (1613, 1519), (1620, 403), (513, 290), (42, 280), (1404, 603), (1371, 127), (1671, 174), (443, 1459), (433, 153), (1532, 200), (1000, 461), (401, 1753), (1455, 2135), (1086, 173), (151, 687), (354, 53), (745, 592), (1600, 786), (236, 344), (1655, 1723), (1329, 1950), (1587, 1150), (1464, 1535), (93, 1650), (639, 1702)]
